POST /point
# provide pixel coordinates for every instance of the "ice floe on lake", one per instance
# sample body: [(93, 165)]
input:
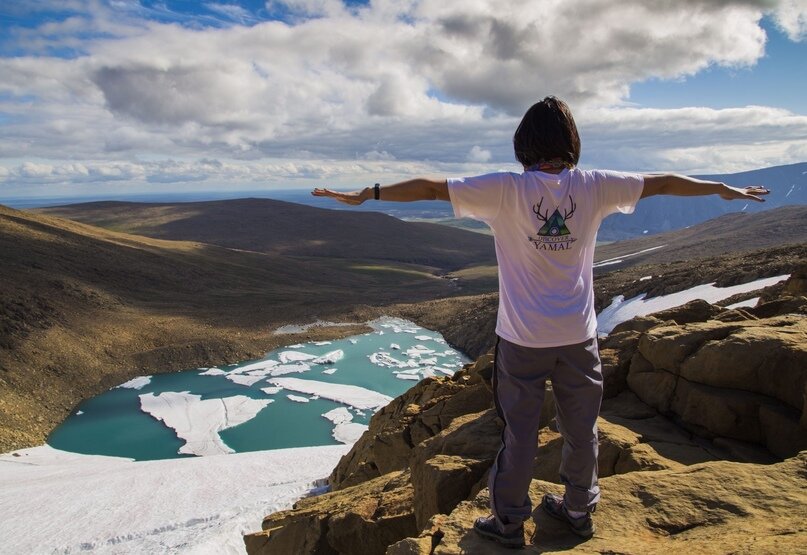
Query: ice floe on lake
[(345, 430), (198, 421), (329, 371), (136, 383), (329, 358), (294, 356), (271, 390), (242, 379), (298, 399), (213, 372), (621, 310), (352, 395)]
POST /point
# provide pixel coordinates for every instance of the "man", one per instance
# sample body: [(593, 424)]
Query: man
[(545, 223)]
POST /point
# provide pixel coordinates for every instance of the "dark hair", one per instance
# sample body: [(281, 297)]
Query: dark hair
[(547, 132)]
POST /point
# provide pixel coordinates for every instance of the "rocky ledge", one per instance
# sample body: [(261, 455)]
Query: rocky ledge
[(703, 447)]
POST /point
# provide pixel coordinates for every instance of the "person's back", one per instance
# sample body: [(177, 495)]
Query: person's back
[(545, 228)]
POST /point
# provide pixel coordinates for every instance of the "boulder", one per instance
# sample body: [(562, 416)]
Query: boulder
[(361, 519), (742, 381)]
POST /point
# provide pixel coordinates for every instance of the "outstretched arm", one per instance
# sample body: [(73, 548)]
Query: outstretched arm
[(671, 184), (405, 191)]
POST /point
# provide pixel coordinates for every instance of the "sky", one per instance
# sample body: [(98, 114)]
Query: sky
[(123, 96)]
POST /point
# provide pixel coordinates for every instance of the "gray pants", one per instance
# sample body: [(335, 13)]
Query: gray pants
[(519, 379)]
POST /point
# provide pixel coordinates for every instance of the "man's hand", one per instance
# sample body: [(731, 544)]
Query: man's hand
[(354, 197), (744, 193)]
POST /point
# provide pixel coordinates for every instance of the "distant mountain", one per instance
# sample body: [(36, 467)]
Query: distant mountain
[(278, 227), (731, 233), (788, 186)]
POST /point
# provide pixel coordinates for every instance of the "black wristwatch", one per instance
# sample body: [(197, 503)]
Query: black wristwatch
[(377, 191)]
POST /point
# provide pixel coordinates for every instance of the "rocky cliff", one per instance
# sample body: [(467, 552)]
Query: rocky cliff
[(703, 447)]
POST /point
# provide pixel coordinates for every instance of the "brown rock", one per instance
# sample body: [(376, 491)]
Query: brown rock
[(361, 519), (760, 509)]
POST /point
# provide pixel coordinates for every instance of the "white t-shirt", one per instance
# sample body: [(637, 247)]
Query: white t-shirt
[(545, 228)]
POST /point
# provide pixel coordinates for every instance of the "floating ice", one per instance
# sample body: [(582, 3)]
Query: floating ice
[(136, 383), (213, 372), (348, 433), (418, 351), (330, 358), (283, 369), (329, 371), (255, 366), (394, 346), (339, 415), (321, 343), (384, 359), (198, 422), (79, 413), (402, 376), (428, 361), (621, 310), (353, 341), (271, 390), (294, 356), (297, 398), (242, 379), (352, 395), (423, 337), (446, 371)]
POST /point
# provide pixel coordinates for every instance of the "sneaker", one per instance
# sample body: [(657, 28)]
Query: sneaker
[(487, 528), (554, 507)]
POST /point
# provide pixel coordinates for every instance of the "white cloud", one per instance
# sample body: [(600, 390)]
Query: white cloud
[(791, 16), (478, 154), (388, 88)]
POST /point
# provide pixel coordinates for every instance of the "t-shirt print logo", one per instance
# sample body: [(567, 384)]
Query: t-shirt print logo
[(554, 235)]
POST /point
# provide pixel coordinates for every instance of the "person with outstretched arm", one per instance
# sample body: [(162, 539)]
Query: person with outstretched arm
[(544, 222)]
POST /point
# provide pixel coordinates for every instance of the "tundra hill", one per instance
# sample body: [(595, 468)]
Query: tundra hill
[(84, 308), (273, 226), (728, 234)]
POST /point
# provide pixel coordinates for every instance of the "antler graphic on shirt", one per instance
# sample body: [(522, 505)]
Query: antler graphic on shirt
[(567, 215), (537, 209)]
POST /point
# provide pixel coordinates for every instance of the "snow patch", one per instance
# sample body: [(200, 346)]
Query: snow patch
[(198, 422), (621, 310), (619, 259), (195, 505), (748, 303)]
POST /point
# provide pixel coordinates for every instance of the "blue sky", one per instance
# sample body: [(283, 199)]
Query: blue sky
[(145, 96)]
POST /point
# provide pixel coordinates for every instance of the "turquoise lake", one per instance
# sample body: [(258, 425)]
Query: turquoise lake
[(115, 423)]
